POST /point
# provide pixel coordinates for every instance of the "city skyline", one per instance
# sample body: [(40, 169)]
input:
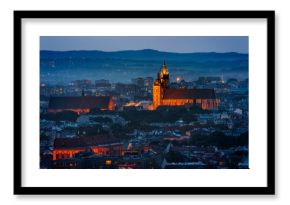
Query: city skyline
[(178, 44)]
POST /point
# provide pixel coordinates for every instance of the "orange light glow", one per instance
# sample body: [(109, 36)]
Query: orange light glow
[(108, 162)]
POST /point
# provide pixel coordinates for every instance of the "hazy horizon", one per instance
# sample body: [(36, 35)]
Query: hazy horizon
[(143, 50), (174, 44)]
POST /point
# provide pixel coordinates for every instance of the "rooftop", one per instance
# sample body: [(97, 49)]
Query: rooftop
[(85, 141), (173, 93)]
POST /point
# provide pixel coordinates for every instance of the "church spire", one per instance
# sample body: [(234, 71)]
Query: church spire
[(164, 75), (164, 70)]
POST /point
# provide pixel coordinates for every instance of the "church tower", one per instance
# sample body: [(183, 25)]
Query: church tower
[(157, 92), (159, 86), (164, 75)]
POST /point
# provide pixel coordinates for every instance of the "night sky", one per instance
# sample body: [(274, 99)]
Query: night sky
[(180, 44)]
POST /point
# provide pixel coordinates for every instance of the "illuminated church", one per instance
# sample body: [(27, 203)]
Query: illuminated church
[(163, 95)]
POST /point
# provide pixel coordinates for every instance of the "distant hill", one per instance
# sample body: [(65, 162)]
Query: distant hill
[(146, 54), (122, 66)]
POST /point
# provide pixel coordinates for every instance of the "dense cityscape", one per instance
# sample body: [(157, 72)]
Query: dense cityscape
[(145, 124)]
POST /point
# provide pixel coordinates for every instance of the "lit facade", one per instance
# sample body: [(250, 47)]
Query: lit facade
[(102, 150)]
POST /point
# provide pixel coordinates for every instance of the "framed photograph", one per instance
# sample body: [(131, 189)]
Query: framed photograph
[(144, 102)]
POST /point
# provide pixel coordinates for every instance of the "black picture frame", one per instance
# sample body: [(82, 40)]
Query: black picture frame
[(18, 93)]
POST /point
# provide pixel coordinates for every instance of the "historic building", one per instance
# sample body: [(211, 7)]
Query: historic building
[(80, 104), (163, 95), (101, 145)]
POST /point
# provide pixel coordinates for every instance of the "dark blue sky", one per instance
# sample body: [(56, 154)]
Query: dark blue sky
[(181, 44)]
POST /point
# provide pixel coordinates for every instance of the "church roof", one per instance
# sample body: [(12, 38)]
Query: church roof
[(84, 141), (79, 102), (174, 93)]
